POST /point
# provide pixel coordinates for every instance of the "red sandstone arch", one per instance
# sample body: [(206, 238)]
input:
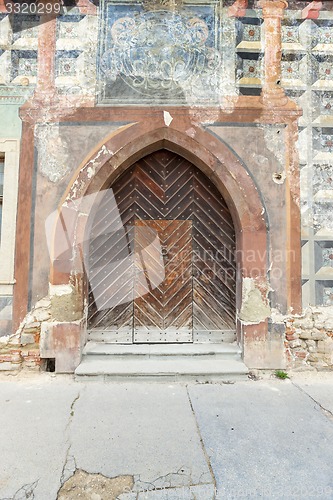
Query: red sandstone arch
[(132, 142), (116, 153)]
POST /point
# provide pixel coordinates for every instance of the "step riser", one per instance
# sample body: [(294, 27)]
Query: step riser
[(163, 378), (152, 350), (173, 363), (166, 369), (128, 357)]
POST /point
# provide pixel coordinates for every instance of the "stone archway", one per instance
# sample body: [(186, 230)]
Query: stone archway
[(161, 260), (238, 188)]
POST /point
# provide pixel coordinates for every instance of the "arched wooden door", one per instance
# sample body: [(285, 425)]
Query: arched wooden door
[(161, 257)]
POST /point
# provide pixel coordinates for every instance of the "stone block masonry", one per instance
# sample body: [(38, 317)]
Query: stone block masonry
[(309, 339), (248, 90), (21, 350)]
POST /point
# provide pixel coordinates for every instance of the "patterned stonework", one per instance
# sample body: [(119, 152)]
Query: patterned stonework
[(328, 296), (251, 33), (328, 257), (323, 177), (192, 54), (18, 52), (290, 34), (76, 54)]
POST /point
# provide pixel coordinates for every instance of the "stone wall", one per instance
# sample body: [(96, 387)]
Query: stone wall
[(309, 339), (231, 46), (22, 349)]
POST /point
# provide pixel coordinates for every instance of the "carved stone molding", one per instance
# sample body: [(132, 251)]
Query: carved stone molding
[(311, 11), (238, 9)]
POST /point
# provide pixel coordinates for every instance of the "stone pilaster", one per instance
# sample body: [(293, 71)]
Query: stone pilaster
[(45, 89), (272, 92)]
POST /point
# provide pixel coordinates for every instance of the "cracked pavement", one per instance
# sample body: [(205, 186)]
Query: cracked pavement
[(252, 439)]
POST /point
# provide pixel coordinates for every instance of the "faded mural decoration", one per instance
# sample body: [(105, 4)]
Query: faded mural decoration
[(164, 52), (250, 89)]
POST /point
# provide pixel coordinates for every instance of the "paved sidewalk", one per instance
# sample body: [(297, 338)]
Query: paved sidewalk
[(254, 439)]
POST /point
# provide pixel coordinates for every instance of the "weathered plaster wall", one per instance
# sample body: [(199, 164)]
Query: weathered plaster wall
[(10, 121), (232, 64), (9, 115), (60, 149), (262, 150)]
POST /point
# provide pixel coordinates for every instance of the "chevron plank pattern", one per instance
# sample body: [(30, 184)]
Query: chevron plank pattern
[(163, 281), (164, 189)]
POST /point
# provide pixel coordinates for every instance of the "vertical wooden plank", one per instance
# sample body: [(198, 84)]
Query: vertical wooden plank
[(163, 281)]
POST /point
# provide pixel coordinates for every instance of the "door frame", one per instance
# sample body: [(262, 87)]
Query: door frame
[(242, 195)]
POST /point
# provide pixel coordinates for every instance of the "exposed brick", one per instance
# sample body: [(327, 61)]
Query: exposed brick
[(301, 354)]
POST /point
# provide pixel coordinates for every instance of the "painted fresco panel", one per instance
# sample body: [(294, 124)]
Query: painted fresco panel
[(163, 55)]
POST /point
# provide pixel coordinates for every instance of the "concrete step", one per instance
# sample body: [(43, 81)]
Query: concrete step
[(161, 368), (205, 351)]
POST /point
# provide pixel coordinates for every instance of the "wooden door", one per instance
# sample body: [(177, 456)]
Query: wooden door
[(156, 194), (163, 281)]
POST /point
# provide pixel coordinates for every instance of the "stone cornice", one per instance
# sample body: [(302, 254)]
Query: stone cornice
[(241, 109)]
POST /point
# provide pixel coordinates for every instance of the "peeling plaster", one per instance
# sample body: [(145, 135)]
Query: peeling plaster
[(190, 132), (90, 172), (255, 307), (91, 165), (65, 305), (275, 142), (59, 290), (167, 118), (277, 317), (89, 169), (52, 152)]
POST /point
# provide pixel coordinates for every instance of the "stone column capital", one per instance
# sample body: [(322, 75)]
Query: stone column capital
[(86, 7), (273, 8), (3, 7), (238, 8)]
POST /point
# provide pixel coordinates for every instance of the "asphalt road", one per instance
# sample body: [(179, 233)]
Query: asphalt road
[(253, 439)]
